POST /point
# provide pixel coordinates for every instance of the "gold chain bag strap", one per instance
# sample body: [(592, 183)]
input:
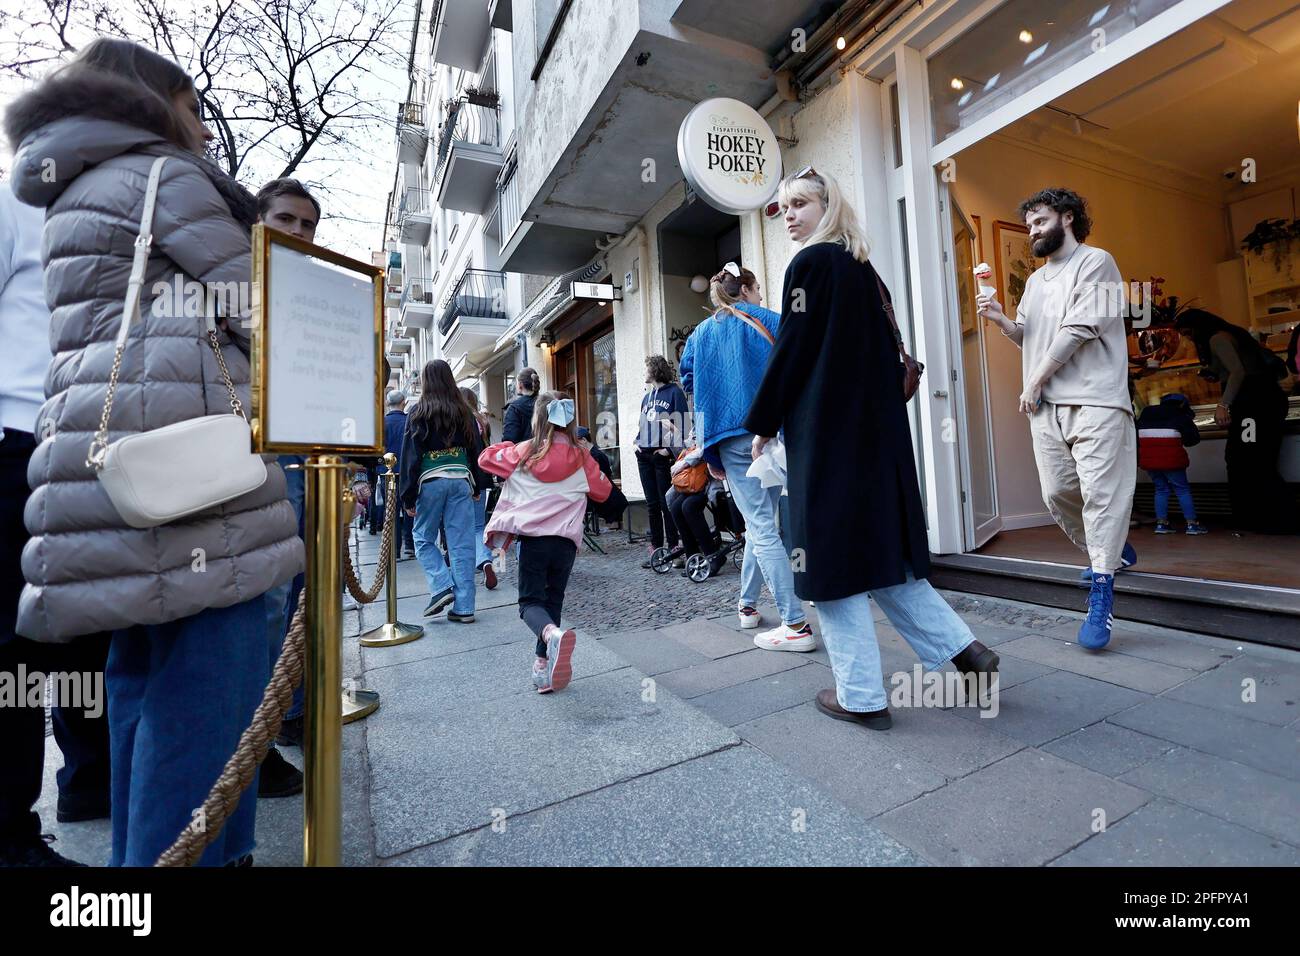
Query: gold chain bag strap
[(169, 473)]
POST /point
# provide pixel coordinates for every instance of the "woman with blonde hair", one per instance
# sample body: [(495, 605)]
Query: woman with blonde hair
[(722, 366), (835, 384)]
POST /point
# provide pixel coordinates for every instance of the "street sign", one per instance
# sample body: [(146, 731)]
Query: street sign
[(595, 290), (729, 155)]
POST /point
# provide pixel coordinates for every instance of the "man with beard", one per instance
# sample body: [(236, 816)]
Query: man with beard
[(1069, 326)]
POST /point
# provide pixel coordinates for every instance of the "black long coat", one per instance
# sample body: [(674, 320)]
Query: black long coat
[(835, 383)]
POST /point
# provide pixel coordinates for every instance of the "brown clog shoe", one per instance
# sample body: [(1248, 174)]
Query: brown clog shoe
[(829, 705)]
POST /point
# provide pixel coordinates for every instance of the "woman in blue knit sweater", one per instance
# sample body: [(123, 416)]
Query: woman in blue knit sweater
[(722, 366)]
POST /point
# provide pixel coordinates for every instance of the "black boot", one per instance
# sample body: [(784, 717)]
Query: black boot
[(278, 778), (976, 659), (34, 851)]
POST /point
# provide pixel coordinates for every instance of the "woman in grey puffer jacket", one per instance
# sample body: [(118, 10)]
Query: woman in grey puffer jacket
[(188, 657)]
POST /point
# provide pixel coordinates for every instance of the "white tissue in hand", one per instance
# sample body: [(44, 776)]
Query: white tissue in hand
[(769, 468)]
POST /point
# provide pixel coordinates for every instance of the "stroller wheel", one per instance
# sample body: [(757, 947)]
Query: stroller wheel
[(697, 568), (738, 557), (660, 562)]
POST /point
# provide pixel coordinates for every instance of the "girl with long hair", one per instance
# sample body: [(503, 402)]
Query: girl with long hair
[(835, 384), (543, 502), (722, 366), (440, 483)]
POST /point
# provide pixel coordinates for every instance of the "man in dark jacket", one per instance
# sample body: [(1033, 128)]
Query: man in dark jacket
[(394, 434), (518, 424)]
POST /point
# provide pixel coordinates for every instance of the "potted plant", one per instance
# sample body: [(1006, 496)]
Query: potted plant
[(482, 96), (1277, 234)]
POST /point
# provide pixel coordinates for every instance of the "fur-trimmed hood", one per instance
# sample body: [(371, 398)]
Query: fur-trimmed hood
[(67, 124)]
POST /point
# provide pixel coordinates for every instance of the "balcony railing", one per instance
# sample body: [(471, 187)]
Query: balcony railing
[(417, 291), (411, 113), (413, 218), (480, 293), (471, 122)]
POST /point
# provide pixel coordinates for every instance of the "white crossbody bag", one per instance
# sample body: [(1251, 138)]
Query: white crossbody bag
[(178, 470)]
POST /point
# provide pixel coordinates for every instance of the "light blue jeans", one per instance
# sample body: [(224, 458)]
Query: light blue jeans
[(763, 547), (915, 608), (482, 553), (449, 503)]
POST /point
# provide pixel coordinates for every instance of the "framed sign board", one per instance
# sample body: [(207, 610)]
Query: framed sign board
[(317, 349)]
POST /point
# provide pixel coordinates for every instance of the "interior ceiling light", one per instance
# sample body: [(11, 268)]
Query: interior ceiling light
[(1026, 36), (840, 44), (957, 84)]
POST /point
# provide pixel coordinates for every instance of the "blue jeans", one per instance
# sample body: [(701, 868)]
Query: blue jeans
[(1175, 481), (283, 599), (763, 546), (915, 608), (447, 502), (483, 554), (179, 697)]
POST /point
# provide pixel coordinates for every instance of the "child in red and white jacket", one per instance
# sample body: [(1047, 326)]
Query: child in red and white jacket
[(548, 479), (1164, 433)]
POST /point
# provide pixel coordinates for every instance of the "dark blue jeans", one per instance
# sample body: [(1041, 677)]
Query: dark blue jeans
[(179, 696)]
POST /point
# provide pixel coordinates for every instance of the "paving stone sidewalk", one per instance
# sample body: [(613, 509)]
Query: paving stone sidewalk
[(679, 742)]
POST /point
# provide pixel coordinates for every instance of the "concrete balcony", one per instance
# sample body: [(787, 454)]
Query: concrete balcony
[(414, 219), (393, 279), (412, 133), (473, 315), (610, 97), (460, 31), (417, 309), (469, 155)]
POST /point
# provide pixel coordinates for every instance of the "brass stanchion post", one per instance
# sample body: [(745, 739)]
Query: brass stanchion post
[(393, 631), (323, 730)]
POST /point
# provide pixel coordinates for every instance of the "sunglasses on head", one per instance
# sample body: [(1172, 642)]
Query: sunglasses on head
[(806, 171)]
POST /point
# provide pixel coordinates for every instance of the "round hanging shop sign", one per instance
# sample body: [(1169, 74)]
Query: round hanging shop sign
[(729, 155)]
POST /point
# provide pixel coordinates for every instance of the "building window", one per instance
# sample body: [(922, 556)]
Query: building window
[(1017, 47)]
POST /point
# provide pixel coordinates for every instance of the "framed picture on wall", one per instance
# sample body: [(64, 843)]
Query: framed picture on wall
[(979, 237), (1014, 262)]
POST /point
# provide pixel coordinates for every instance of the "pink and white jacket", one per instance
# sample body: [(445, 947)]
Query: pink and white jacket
[(547, 498)]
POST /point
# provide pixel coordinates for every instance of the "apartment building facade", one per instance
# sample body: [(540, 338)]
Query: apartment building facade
[(936, 117)]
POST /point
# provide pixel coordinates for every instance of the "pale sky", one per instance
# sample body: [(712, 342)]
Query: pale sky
[(355, 187)]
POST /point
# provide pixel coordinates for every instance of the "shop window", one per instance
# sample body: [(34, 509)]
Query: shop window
[(1020, 45)]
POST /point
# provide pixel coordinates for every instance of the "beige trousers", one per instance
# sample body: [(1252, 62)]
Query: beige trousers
[(1087, 466)]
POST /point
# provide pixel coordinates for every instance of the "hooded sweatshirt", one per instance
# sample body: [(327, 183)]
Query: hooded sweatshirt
[(548, 497)]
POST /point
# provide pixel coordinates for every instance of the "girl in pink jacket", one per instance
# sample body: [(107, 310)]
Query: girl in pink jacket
[(543, 501)]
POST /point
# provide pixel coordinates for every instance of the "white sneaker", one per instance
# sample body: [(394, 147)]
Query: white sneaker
[(786, 638), (750, 618)]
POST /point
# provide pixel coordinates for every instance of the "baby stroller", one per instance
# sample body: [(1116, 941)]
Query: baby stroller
[(730, 527)]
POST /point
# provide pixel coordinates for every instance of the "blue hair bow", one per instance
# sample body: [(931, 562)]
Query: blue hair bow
[(560, 412)]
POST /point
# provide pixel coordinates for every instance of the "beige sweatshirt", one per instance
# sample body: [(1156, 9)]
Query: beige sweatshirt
[(1076, 317)]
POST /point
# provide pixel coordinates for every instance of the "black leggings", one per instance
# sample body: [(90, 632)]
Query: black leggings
[(656, 479), (688, 512), (545, 564)]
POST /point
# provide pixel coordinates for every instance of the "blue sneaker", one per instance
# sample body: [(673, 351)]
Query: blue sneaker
[(1095, 631), (1127, 558)]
